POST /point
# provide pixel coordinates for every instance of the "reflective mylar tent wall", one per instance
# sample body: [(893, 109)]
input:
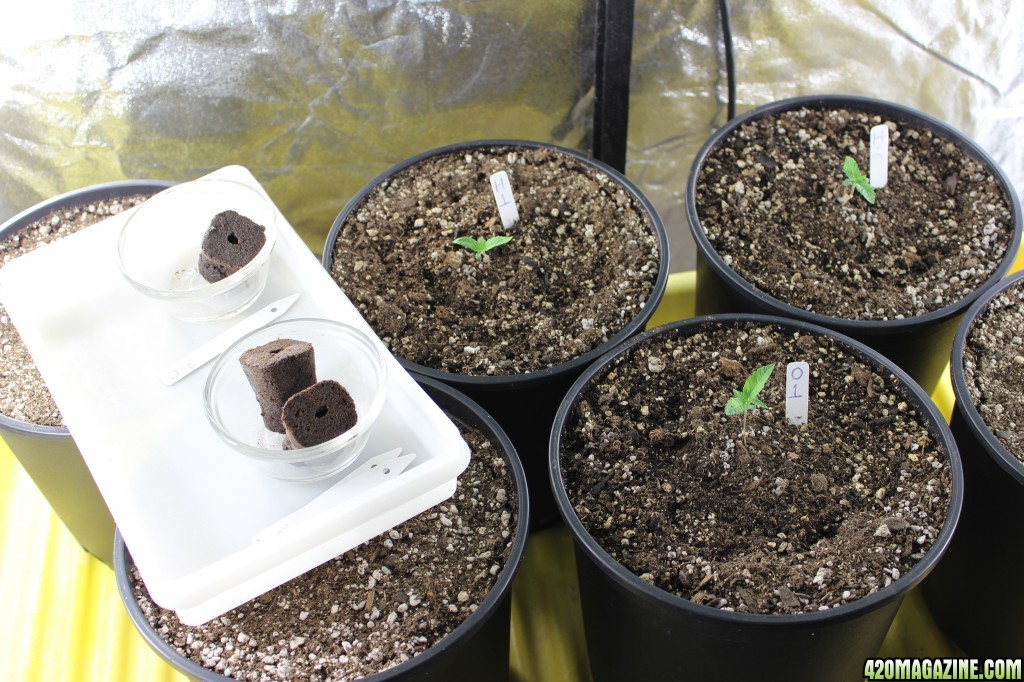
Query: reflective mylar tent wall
[(318, 97)]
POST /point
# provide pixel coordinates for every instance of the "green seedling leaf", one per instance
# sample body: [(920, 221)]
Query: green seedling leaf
[(746, 400), (735, 406), (471, 243), (756, 381), (757, 403), (857, 179), (480, 246), (497, 240)]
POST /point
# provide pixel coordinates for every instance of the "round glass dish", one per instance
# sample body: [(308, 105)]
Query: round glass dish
[(159, 246), (342, 353)]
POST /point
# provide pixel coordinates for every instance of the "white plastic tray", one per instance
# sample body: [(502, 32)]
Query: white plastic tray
[(187, 505)]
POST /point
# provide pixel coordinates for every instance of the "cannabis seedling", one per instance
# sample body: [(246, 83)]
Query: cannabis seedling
[(480, 246), (857, 179), (746, 400)]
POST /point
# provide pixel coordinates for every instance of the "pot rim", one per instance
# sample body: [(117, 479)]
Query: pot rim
[(542, 376), (964, 404), (854, 609), (469, 413), (871, 105), (96, 192)]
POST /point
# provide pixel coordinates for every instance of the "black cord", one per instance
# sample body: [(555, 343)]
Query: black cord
[(730, 66), (611, 81)]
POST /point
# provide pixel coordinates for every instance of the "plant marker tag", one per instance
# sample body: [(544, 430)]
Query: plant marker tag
[(879, 173), (179, 369), (502, 189), (797, 386)]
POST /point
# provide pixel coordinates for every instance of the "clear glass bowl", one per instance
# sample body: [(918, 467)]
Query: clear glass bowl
[(159, 246), (342, 353)]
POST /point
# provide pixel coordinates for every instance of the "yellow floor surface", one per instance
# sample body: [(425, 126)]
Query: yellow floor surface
[(62, 618)]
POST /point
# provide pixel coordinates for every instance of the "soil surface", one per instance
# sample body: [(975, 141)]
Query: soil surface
[(23, 394), (375, 606), (994, 367), (772, 202), (581, 265), (798, 519)]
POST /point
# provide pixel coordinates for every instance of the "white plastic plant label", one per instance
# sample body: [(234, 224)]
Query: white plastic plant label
[(879, 173), (503, 196), (797, 388)]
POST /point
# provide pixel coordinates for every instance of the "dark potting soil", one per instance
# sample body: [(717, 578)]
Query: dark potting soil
[(581, 265), (23, 394), (373, 607), (772, 202), (800, 519), (994, 367)]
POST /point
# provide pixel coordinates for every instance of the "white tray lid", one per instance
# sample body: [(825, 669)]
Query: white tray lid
[(187, 504)]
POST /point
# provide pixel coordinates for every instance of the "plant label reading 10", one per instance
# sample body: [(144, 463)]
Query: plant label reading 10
[(797, 387), (879, 171), (502, 189)]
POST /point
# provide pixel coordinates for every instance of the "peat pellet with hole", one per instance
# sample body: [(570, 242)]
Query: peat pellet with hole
[(317, 414), (276, 371), (231, 241)]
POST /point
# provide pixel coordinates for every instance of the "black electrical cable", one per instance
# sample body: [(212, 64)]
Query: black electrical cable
[(730, 66), (613, 50)]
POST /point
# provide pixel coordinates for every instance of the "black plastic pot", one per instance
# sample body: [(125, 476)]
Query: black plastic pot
[(525, 404), (47, 453), (976, 594), (478, 649), (636, 631), (918, 344)]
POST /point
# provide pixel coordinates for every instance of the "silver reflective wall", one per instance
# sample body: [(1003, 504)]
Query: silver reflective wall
[(318, 97)]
